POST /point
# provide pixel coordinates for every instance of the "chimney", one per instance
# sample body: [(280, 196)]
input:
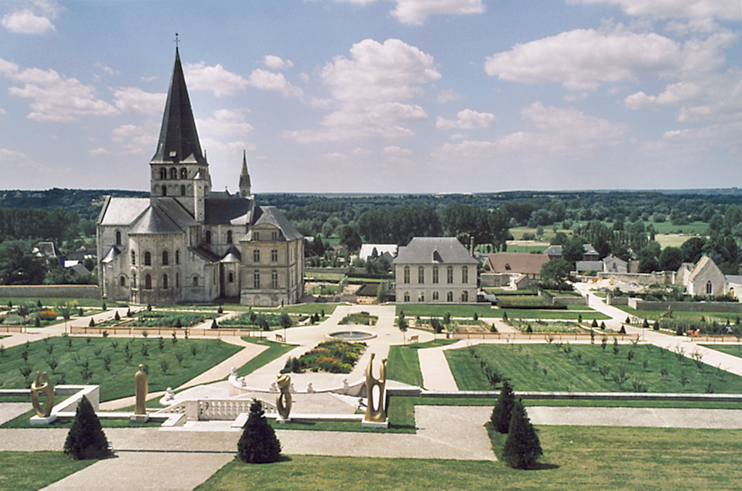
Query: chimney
[(471, 245)]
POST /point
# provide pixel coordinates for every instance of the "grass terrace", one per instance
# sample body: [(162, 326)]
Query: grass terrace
[(730, 349), (719, 317), (111, 363), (275, 350), (336, 356), (363, 318), (588, 368), (29, 471), (404, 364)]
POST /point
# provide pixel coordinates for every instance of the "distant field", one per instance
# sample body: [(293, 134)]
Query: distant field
[(671, 240)]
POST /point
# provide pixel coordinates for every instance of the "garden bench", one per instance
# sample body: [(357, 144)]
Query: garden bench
[(280, 338), (414, 339)]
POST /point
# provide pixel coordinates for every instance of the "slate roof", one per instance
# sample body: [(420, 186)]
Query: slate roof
[(176, 212), (122, 211), (589, 265), (234, 211), (434, 250), (232, 256), (115, 251), (272, 216), (178, 131), (205, 254), (368, 249), (515, 262), (154, 221), (48, 249), (79, 270), (553, 250)]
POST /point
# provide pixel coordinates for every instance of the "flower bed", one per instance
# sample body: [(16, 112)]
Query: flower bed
[(169, 319), (330, 356), (363, 318)]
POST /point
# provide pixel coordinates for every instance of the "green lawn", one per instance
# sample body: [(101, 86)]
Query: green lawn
[(720, 317), (307, 308), (274, 351), (576, 458), (54, 302), (547, 367), (734, 350), (119, 380), (431, 310), (404, 365), (20, 471)]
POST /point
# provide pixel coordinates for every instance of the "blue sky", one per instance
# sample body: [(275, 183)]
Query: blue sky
[(378, 96)]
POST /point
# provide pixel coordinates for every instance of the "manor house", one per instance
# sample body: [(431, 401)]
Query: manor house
[(189, 243)]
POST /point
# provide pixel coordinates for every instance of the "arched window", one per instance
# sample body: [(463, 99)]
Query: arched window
[(134, 280), (164, 190), (406, 274), (435, 296), (165, 258), (274, 279), (231, 278), (435, 275), (177, 280), (133, 258), (465, 275), (182, 189), (195, 281), (164, 281), (420, 275), (148, 282), (122, 281), (183, 173), (449, 275), (118, 237), (709, 288), (208, 237), (163, 174), (173, 173), (229, 236), (421, 296), (177, 257), (406, 296), (449, 297), (464, 296), (147, 259), (256, 279)]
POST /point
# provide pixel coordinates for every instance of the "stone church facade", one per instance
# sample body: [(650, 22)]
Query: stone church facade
[(189, 243)]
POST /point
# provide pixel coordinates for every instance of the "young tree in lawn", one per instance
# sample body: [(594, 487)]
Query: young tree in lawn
[(502, 411), (522, 447), (258, 443)]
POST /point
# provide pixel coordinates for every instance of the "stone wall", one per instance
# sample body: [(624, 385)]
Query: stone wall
[(661, 277), (566, 300), (51, 291), (638, 304)]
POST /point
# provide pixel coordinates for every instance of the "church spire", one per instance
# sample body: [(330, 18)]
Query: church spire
[(244, 178), (178, 136)]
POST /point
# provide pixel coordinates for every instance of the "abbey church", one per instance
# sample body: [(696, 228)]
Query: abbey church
[(189, 243)]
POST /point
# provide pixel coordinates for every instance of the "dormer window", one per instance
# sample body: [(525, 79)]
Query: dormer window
[(507, 267), (173, 154)]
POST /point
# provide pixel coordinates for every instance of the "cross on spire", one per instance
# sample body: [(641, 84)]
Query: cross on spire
[(176, 40)]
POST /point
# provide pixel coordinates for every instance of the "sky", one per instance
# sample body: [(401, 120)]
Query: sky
[(378, 96)]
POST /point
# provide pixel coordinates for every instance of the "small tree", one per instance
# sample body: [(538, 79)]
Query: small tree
[(116, 316), (402, 323), (92, 322), (645, 324), (285, 320), (602, 325), (258, 443), (86, 439), (522, 447), (595, 323), (502, 411)]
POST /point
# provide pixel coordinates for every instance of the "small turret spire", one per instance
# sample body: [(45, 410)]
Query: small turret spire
[(245, 186)]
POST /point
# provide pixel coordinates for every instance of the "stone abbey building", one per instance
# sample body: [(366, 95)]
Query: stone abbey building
[(189, 243)]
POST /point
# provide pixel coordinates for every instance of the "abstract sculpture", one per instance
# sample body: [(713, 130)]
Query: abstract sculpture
[(140, 389), (283, 401), (376, 406), (48, 390)]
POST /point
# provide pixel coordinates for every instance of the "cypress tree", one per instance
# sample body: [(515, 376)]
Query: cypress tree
[(86, 439), (258, 443), (502, 411), (522, 447)]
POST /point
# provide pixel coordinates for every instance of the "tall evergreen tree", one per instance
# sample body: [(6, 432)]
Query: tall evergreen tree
[(522, 447), (86, 439), (502, 411), (258, 443)]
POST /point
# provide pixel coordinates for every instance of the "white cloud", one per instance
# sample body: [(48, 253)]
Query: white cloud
[(396, 151), (584, 58), (712, 98), (448, 95), (225, 122), (136, 138), (277, 63), (56, 98), (7, 68), (557, 131), (468, 119), (276, 82), (373, 88), (36, 19), (721, 9), (213, 78), (134, 100), (99, 151), (3, 111), (12, 155), (416, 12)]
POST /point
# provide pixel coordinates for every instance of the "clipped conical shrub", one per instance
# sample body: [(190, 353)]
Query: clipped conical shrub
[(258, 443), (86, 439), (502, 411), (522, 447), (91, 323)]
